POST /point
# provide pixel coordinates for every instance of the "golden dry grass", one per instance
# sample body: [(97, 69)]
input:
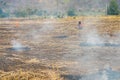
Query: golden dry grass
[(30, 75)]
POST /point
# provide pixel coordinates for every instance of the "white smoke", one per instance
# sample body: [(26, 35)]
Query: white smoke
[(89, 62), (104, 76), (100, 75), (16, 45), (33, 33), (93, 38), (39, 32), (90, 32)]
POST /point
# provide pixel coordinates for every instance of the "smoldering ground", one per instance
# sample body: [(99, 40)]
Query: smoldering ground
[(94, 53), (32, 33), (80, 59)]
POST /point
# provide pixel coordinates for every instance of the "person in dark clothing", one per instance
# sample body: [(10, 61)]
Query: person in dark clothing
[(79, 25)]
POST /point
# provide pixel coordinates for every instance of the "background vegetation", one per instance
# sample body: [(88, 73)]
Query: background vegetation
[(58, 8)]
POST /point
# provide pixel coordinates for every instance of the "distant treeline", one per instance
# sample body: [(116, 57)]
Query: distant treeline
[(111, 9)]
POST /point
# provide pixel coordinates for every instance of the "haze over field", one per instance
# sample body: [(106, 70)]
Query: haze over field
[(59, 40)]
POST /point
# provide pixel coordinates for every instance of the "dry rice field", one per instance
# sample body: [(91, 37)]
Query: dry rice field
[(55, 49)]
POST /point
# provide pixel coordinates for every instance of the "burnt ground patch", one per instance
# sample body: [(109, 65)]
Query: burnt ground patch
[(99, 45), (19, 49), (61, 37), (71, 77)]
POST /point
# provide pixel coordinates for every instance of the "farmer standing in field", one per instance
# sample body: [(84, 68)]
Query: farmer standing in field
[(79, 25)]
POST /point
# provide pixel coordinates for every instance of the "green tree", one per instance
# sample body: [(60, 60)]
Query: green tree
[(25, 12), (113, 8), (71, 12), (39, 12), (3, 13), (30, 11), (20, 13)]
